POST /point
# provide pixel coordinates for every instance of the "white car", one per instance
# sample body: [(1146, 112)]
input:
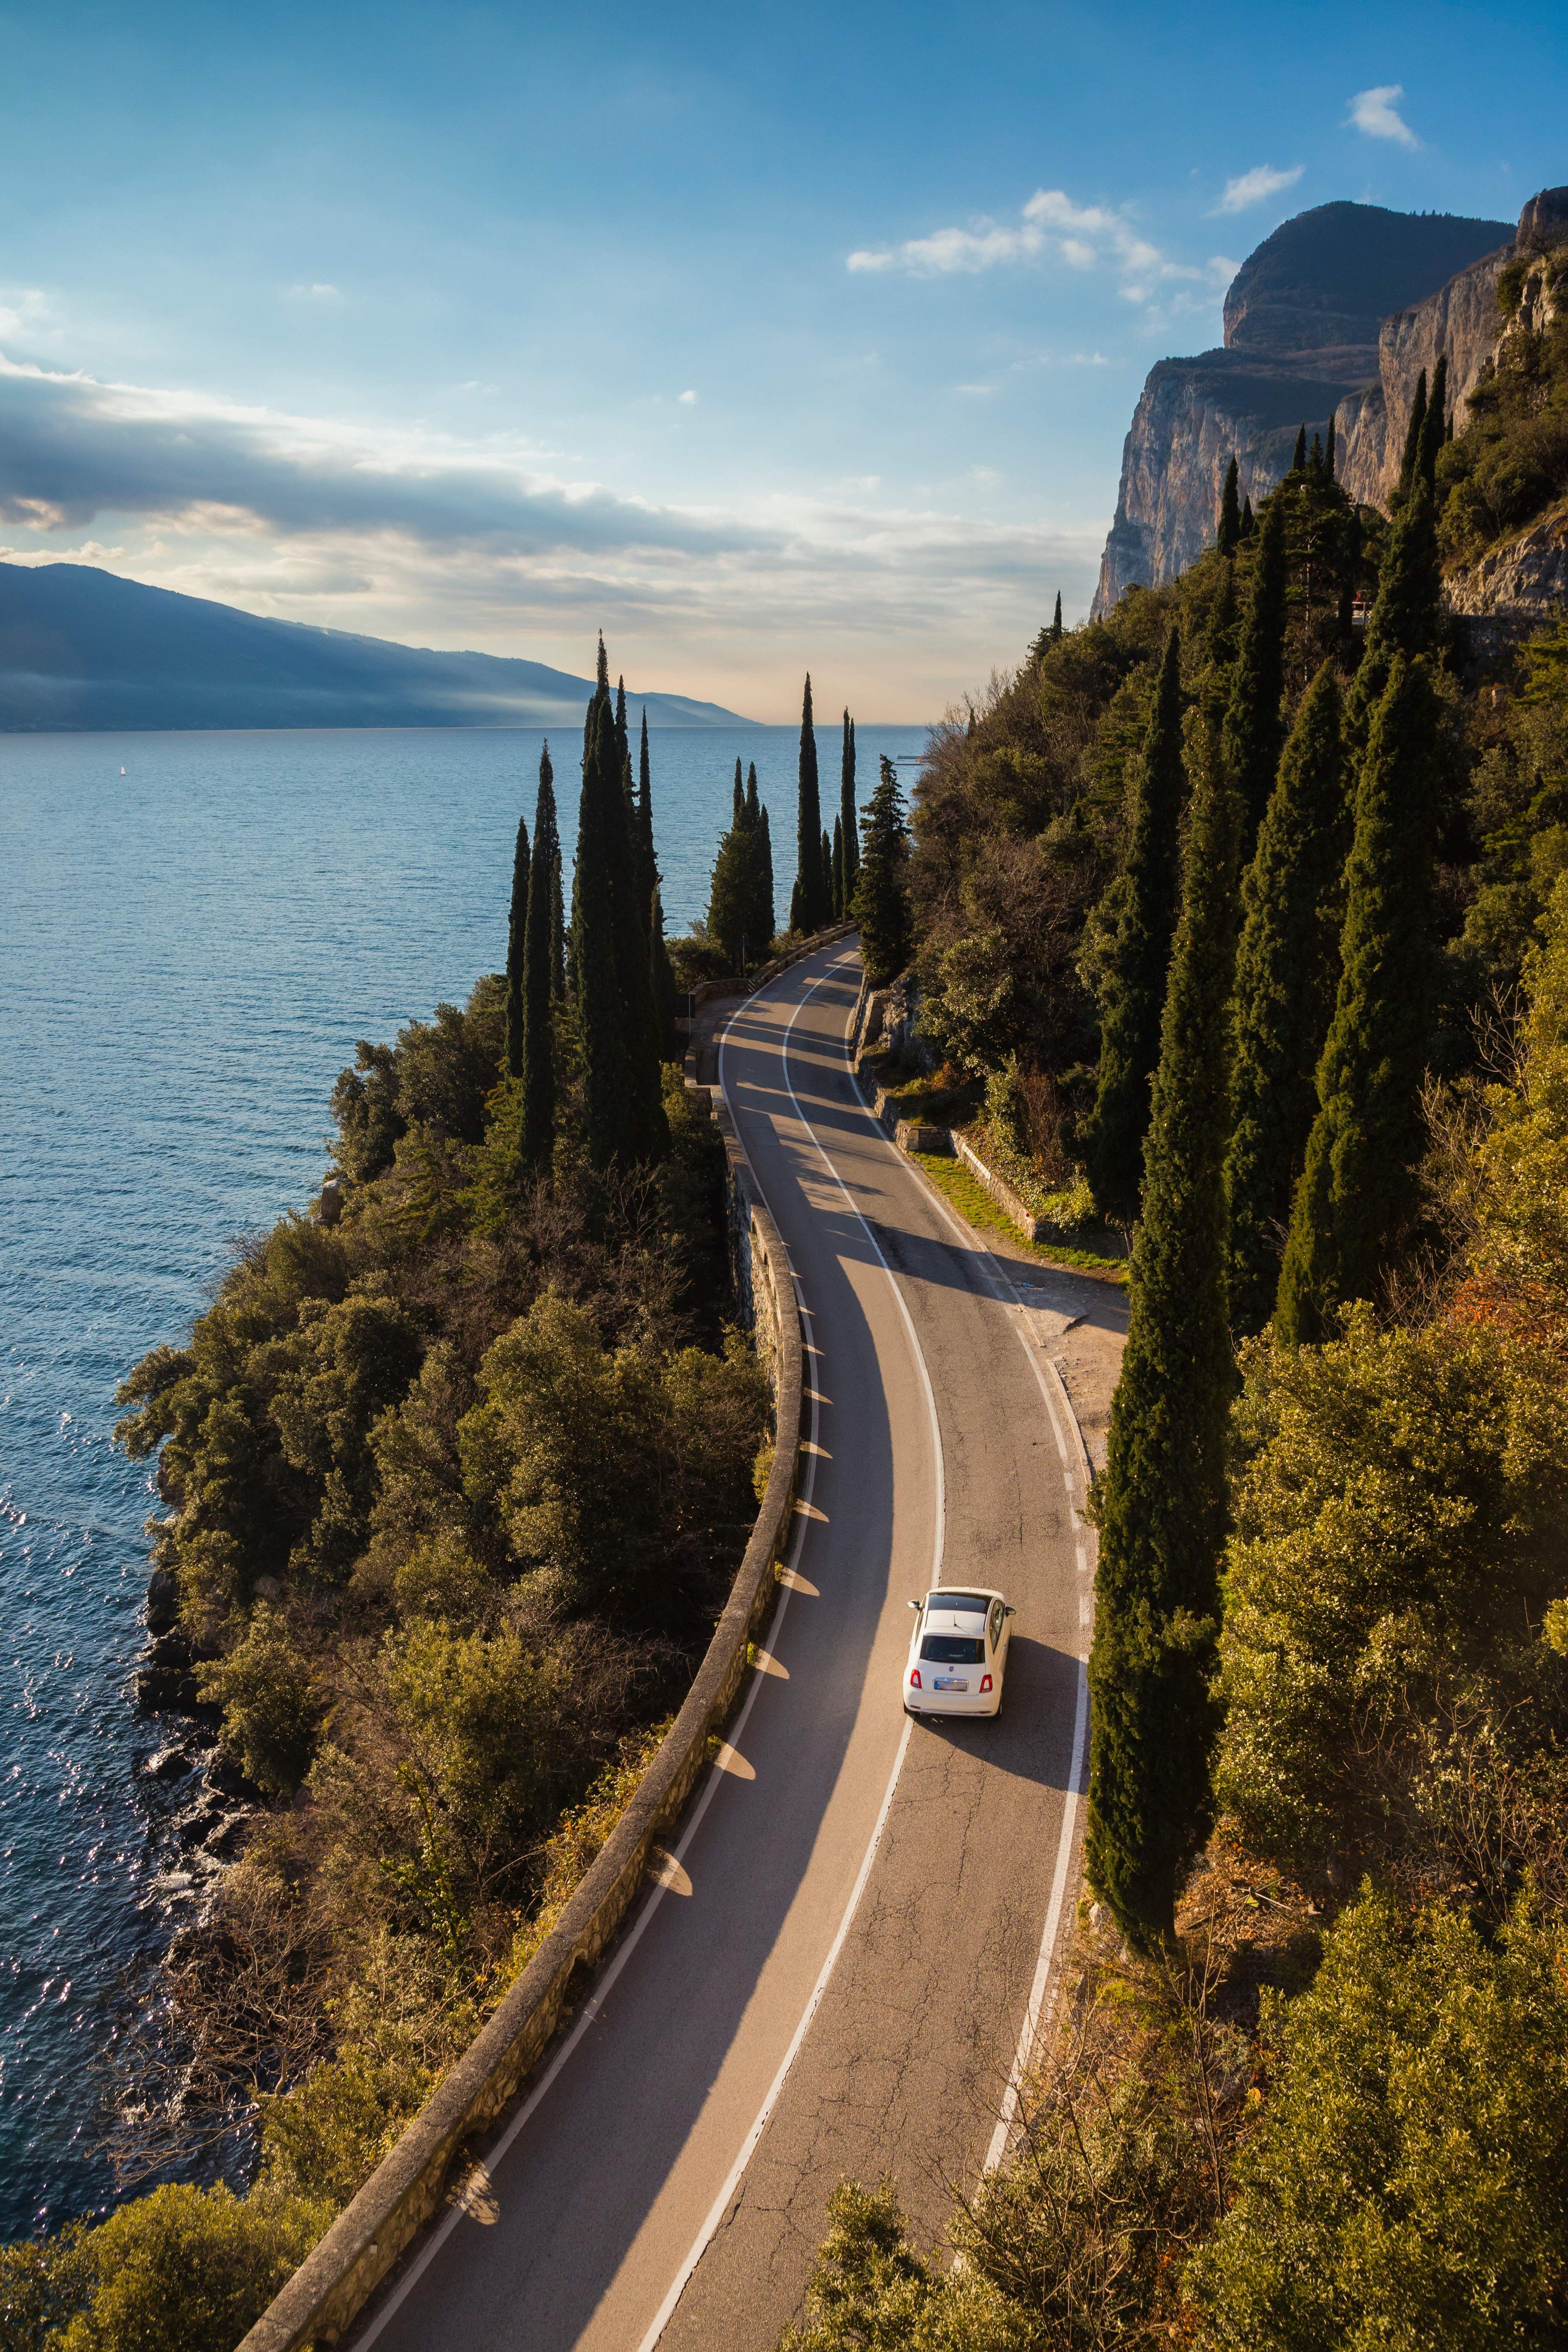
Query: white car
[(958, 1653)]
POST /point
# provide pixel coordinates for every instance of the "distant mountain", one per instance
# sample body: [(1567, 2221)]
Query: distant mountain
[(83, 649), (1303, 320)]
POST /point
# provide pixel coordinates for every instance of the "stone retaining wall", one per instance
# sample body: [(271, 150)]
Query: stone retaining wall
[(747, 984), (330, 2289)]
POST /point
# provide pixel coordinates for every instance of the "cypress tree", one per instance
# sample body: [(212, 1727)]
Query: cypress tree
[(624, 1110), (1228, 536), (808, 901), (827, 852), (1285, 975), (649, 864), (665, 996), (1409, 463), (623, 739), (1140, 963), (1358, 1187), (729, 893), (1056, 620), (1163, 1498), (1254, 728), (757, 815), (1298, 457), (1407, 616), (1432, 429), (881, 893), (516, 925), (1315, 462), (538, 1070), (738, 805), (846, 815), (1248, 520), (1219, 640), (1329, 452), (839, 869)]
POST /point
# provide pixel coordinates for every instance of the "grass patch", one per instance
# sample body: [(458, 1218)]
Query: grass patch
[(970, 1198)]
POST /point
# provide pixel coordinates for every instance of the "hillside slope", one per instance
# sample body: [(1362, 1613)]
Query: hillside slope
[(81, 648)]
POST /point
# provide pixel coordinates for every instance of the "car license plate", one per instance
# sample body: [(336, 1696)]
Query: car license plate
[(949, 1682)]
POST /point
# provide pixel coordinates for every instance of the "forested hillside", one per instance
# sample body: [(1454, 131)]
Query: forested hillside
[(1256, 897)]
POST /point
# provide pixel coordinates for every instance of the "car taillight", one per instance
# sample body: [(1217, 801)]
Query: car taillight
[(985, 1684), (915, 1682)]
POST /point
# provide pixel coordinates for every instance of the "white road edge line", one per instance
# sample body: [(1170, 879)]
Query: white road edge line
[(721, 2203), (1044, 1966)]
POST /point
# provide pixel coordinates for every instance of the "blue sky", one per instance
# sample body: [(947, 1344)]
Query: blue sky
[(759, 338)]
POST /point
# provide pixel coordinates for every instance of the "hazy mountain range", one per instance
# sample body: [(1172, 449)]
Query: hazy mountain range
[(81, 648)]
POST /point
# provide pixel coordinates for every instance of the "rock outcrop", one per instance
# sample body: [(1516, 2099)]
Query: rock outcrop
[(1461, 318), (1304, 325)]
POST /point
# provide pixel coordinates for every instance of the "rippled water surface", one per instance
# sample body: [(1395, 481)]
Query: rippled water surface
[(188, 953)]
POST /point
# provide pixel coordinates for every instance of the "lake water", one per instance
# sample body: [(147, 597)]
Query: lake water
[(188, 951)]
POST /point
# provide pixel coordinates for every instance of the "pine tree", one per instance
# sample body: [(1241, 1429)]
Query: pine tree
[(538, 1063), (1286, 970), (1329, 452), (881, 893), (1433, 424), (1407, 616), (1138, 966), (1253, 727), (839, 869), (1358, 1187), (809, 901), (1410, 462), (1228, 536), (1298, 457), (1163, 1498), (517, 924), (846, 816)]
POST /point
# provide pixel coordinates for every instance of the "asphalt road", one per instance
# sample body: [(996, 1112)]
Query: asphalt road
[(836, 1973)]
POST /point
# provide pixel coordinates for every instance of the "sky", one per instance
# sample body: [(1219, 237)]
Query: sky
[(763, 339)]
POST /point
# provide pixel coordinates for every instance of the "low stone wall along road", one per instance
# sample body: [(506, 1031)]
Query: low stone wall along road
[(837, 1966)]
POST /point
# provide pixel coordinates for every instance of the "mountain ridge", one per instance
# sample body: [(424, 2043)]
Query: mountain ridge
[(82, 649)]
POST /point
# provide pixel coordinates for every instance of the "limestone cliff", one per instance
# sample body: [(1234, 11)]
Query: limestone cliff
[(1461, 318), (1304, 326)]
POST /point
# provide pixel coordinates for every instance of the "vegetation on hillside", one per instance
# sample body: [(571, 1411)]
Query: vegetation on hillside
[(457, 1485)]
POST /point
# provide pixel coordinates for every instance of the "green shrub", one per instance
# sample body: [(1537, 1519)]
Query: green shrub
[(270, 1708), (1408, 2183)]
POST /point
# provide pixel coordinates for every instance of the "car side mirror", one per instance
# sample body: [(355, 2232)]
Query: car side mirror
[(1009, 1612), (914, 1604)]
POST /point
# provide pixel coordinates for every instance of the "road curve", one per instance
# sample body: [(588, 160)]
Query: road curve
[(837, 1973)]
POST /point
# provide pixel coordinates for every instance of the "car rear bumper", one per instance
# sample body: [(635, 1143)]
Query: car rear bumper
[(959, 1704)]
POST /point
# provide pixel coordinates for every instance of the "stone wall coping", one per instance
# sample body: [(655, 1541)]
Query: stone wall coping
[(747, 984), (337, 2280)]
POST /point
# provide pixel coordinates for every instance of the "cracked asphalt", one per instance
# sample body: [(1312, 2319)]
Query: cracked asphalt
[(589, 2219)]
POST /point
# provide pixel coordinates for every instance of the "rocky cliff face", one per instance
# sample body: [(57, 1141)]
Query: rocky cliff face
[(1461, 318), (1305, 321)]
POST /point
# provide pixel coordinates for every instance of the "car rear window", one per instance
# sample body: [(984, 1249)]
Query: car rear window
[(952, 1649), (959, 1605)]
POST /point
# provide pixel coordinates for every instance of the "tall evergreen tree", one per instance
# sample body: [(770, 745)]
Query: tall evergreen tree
[(1228, 536), (1254, 724), (517, 924), (826, 847), (757, 816), (649, 866), (1407, 616), (538, 1065), (1358, 1188), (1056, 620), (737, 803), (1433, 424), (623, 738), (1248, 520), (1286, 971), (625, 1112), (881, 893), (665, 996), (1219, 641), (839, 869), (1139, 966), (1409, 464), (1163, 1497), (1329, 452), (1298, 455), (846, 815), (808, 901)]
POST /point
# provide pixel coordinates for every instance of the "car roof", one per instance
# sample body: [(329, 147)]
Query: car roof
[(941, 1593)]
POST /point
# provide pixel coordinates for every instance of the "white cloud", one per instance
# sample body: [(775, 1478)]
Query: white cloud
[(1086, 236), (1375, 112), (319, 293), (687, 399), (1251, 187)]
